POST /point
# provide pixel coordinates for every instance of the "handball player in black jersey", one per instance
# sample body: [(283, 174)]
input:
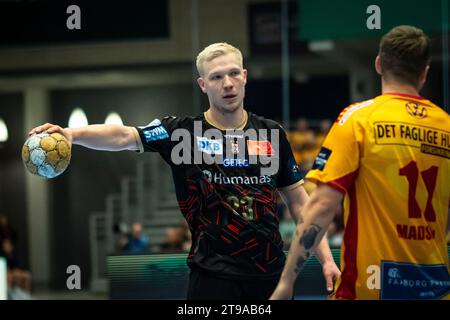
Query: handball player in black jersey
[(227, 165)]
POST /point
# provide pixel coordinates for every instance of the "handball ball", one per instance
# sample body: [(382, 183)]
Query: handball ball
[(46, 155)]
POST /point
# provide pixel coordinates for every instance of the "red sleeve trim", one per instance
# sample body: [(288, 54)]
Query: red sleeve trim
[(342, 184)]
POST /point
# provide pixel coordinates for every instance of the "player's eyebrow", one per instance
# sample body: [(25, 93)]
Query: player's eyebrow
[(224, 71)]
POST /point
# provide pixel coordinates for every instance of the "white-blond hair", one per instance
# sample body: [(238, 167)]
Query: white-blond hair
[(216, 50)]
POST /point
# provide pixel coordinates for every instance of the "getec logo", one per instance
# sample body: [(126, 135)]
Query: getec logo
[(210, 146), (236, 163), (154, 134)]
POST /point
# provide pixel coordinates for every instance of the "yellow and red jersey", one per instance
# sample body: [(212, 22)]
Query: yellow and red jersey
[(391, 157)]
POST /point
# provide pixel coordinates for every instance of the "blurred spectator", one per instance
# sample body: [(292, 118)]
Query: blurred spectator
[(303, 144), (177, 240), (16, 276), (121, 232), (18, 279), (6, 231), (187, 236), (306, 143), (324, 127), (302, 125), (136, 242), (301, 136)]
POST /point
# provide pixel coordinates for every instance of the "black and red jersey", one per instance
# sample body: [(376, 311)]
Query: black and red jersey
[(226, 184)]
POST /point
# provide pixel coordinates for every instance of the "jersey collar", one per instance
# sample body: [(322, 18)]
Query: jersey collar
[(218, 126), (405, 95)]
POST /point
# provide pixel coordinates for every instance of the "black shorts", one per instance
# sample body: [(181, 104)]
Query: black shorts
[(205, 286)]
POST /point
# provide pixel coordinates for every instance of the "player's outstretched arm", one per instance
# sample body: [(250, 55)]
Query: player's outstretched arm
[(109, 137), (317, 214)]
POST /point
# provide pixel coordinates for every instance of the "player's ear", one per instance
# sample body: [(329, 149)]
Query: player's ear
[(424, 74), (378, 64), (244, 73), (423, 77), (201, 84)]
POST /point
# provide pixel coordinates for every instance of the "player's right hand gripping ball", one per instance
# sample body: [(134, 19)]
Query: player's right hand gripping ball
[(46, 155)]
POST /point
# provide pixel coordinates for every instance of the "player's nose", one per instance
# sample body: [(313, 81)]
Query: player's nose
[(227, 83)]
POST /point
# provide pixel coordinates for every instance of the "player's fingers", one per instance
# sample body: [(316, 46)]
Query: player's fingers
[(40, 128), (330, 282), (33, 131), (55, 129)]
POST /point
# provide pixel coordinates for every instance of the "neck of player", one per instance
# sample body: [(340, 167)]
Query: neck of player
[(398, 88), (225, 120)]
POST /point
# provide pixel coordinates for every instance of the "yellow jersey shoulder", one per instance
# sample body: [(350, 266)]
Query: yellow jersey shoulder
[(395, 104), (356, 110), (361, 109)]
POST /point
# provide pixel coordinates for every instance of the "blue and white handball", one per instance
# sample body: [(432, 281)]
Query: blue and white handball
[(46, 155)]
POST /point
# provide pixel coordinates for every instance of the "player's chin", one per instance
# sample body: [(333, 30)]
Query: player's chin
[(231, 107)]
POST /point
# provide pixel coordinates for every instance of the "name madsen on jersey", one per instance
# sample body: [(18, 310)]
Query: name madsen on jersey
[(428, 140)]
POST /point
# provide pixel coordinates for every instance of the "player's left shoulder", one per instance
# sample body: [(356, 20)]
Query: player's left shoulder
[(263, 123), (357, 110)]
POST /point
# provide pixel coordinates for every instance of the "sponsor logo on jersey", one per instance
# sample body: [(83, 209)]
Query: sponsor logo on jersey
[(262, 148), (208, 175), (158, 133), (393, 273), (416, 111), (400, 280), (235, 163), (220, 178), (429, 140), (234, 148), (210, 146), (322, 158), (294, 173)]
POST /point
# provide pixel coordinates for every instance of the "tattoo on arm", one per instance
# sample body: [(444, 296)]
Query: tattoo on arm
[(309, 236), (307, 241), (300, 262)]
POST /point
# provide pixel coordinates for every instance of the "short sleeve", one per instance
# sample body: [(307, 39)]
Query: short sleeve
[(289, 176), (155, 136), (337, 162)]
